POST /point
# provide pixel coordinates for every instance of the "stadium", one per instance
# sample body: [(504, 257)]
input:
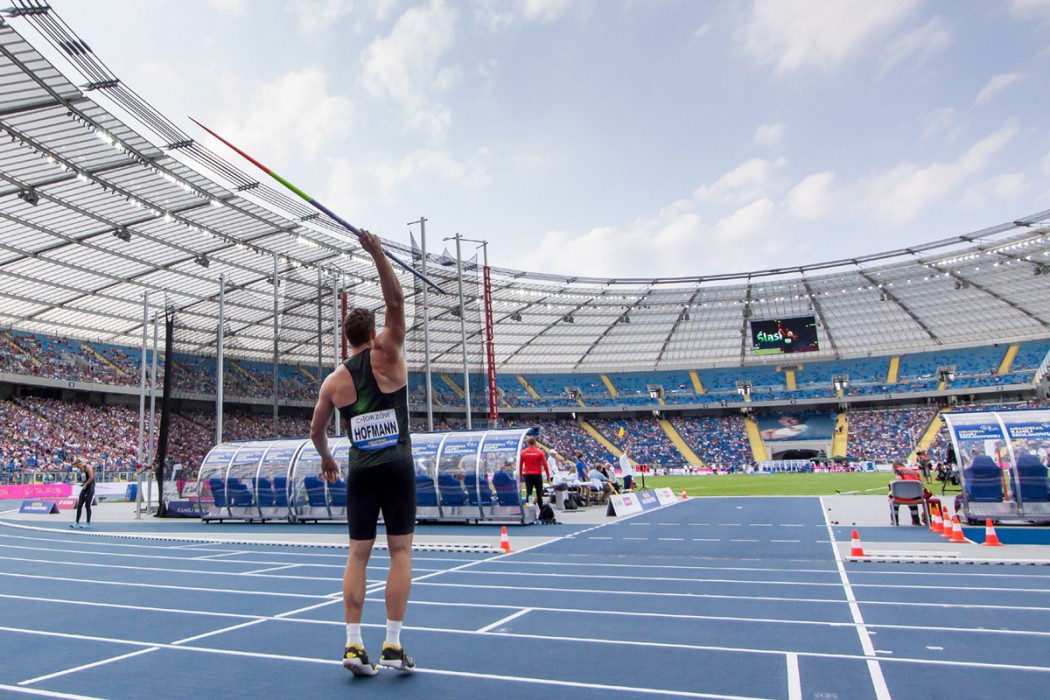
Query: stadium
[(160, 298)]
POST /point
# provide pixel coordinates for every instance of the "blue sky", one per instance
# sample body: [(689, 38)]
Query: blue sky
[(617, 138)]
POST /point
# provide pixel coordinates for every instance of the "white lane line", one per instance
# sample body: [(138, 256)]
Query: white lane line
[(730, 524), (220, 554), (670, 539), (761, 524), (165, 570), (639, 539), (508, 618), (707, 539), (84, 667), (794, 677), (592, 537), (743, 540), (878, 681), (272, 568), (791, 525), (46, 693), (787, 541)]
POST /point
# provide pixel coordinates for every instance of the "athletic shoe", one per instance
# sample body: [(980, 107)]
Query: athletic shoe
[(74, 526), (355, 660), (86, 526), (395, 657)]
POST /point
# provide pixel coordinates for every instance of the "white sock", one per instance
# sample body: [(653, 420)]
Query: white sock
[(353, 635), (393, 632)]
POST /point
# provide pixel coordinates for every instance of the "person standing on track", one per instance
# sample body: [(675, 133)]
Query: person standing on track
[(532, 465), (626, 470), (370, 390), (87, 492)]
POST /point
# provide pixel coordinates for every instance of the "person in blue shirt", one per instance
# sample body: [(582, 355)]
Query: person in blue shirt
[(581, 468)]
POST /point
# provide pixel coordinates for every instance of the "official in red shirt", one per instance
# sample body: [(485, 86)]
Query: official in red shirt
[(531, 467)]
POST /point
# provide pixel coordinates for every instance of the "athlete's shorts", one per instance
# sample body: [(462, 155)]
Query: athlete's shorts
[(389, 488)]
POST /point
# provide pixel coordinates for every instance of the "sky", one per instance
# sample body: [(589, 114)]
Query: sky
[(616, 138)]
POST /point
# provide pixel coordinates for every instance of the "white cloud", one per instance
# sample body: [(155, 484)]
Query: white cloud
[(748, 181), (937, 121), (315, 16), (768, 134), (234, 6), (404, 66), (919, 43), (899, 195), (498, 15), (997, 83), (293, 114), (1003, 188), (800, 34), (1028, 9), (811, 198), (1046, 164)]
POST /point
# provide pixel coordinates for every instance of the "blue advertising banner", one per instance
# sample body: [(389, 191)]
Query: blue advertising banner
[(39, 507)]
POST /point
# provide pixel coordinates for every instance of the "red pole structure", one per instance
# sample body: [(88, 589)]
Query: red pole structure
[(490, 350)]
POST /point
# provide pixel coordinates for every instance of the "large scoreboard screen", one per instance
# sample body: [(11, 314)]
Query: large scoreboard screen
[(779, 336)]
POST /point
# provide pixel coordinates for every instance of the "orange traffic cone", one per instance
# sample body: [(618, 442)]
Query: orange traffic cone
[(957, 533), (936, 524), (990, 538), (949, 526), (684, 495), (856, 550), (504, 542)]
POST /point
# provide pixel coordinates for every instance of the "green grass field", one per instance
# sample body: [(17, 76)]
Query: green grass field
[(861, 483)]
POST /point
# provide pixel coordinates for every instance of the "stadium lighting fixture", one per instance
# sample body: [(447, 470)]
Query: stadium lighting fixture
[(516, 316), (123, 233), (202, 260), (568, 318), (29, 196)]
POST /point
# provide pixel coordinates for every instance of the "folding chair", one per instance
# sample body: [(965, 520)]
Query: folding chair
[(907, 493)]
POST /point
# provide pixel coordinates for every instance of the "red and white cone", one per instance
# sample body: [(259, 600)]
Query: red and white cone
[(957, 533), (991, 539), (504, 542), (684, 495), (856, 550), (936, 524), (949, 527)]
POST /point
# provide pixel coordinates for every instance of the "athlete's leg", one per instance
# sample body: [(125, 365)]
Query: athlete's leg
[(80, 505), (399, 579), (354, 580), (87, 504)]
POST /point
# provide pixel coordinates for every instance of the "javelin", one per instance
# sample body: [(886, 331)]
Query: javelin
[(317, 205)]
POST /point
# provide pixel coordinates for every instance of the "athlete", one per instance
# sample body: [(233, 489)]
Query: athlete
[(87, 491), (369, 389), (531, 467)]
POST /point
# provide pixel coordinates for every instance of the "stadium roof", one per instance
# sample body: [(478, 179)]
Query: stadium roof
[(103, 200)]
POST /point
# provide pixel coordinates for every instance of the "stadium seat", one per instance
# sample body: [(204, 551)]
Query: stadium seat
[(508, 493), (315, 492), (218, 491), (426, 492), (238, 493), (1035, 484), (337, 494), (983, 480), (473, 492), (264, 493), (280, 490), (451, 490)]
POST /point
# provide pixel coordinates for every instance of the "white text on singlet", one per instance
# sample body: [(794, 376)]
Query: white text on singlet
[(374, 431)]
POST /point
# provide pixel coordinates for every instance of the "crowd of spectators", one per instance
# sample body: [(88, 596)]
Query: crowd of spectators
[(720, 442), (649, 443), (887, 435)]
